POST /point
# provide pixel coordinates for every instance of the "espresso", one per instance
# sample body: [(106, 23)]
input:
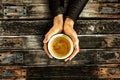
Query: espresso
[(60, 46)]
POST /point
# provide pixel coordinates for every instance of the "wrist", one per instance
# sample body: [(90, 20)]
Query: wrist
[(69, 21), (58, 20)]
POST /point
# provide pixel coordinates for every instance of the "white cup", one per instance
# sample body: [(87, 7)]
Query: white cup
[(60, 46)]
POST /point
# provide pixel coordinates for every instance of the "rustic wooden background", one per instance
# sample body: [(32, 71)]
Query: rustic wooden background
[(23, 24)]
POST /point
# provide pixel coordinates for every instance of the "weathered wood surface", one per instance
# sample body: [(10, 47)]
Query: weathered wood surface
[(23, 24), (36, 42), (19, 73), (38, 9), (12, 73), (40, 27), (39, 58), (108, 71), (58, 72), (46, 1), (26, 50)]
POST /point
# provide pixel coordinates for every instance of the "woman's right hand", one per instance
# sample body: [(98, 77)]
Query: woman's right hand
[(57, 28)]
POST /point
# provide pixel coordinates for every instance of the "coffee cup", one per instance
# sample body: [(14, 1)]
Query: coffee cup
[(60, 46)]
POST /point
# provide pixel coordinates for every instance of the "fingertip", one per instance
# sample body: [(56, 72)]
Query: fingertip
[(51, 57), (66, 60)]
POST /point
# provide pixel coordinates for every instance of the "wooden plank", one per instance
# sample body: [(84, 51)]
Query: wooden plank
[(25, 1), (99, 42), (90, 57), (101, 11), (29, 42), (76, 72), (41, 10), (63, 72), (11, 73), (25, 27), (46, 1), (39, 58), (41, 27), (99, 72), (36, 42), (97, 27)]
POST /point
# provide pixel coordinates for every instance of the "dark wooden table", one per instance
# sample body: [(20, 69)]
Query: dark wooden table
[(23, 24)]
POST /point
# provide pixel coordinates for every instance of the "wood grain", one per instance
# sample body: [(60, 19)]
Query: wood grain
[(40, 9), (41, 27), (39, 58), (36, 42), (46, 1), (56, 72), (11, 73), (76, 72), (23, 24)]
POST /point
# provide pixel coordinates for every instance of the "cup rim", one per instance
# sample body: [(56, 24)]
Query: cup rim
[(58, 35)]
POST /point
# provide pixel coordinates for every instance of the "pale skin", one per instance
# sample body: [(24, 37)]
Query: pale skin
[(63, 26)]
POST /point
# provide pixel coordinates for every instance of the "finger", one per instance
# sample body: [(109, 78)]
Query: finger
[(46, 50), (67, 59), (76, 50), (73, 36), (48, 36), (75, 40)]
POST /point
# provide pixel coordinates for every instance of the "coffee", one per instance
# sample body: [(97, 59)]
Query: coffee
[(60, 46)]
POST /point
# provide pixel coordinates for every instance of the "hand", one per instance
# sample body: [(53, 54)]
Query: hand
[(57, 28), (68, 30)]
